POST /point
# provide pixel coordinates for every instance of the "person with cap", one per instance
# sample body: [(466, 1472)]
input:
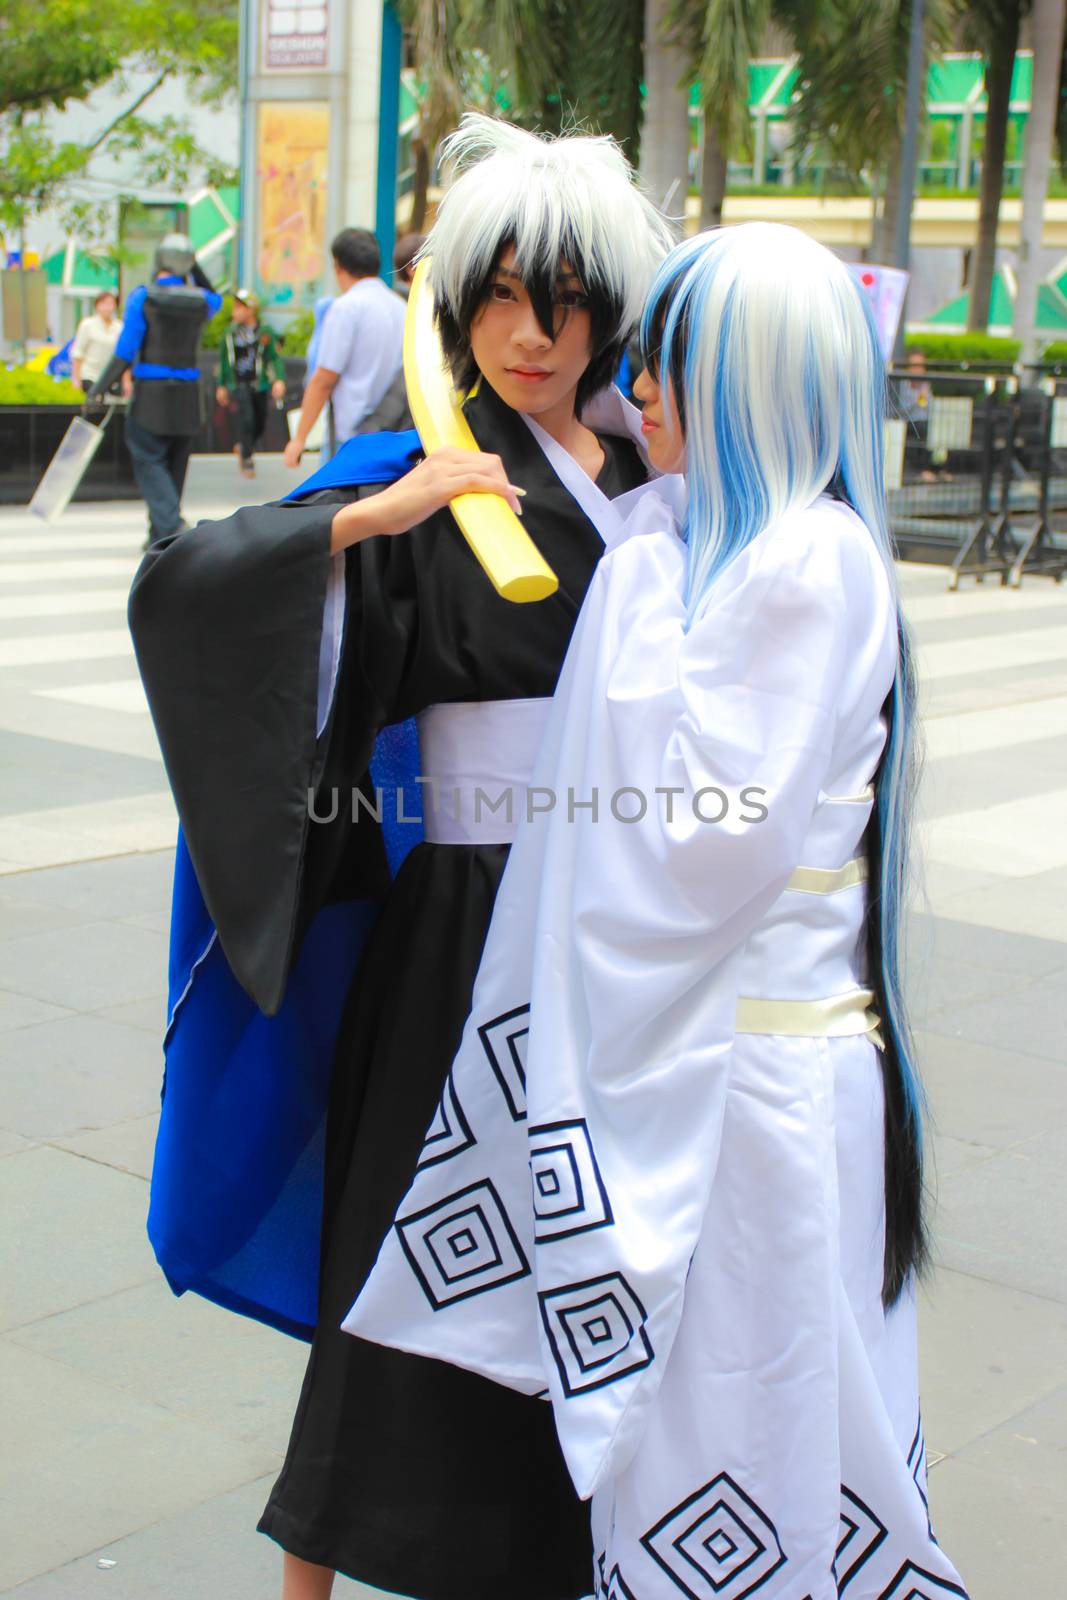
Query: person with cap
[(160, 341), (250, 368)]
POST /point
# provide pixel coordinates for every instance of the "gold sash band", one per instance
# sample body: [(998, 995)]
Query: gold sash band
[(837, 1017), (829, 880)]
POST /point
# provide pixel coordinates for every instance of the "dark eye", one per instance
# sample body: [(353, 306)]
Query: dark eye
[(572, 299), (500, 291)]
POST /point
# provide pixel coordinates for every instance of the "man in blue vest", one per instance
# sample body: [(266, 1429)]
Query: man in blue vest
[(160, 340)]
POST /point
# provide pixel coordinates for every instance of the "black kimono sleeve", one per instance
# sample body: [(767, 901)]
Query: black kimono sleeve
[(227, 621)]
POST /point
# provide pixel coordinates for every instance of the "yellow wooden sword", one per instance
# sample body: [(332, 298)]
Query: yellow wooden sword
[(511, 560)]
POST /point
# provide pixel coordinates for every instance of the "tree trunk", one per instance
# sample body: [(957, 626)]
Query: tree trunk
[(420, 185), (1000, 65), (665, 131), (712, 177), (884, 226), (1047, 26)]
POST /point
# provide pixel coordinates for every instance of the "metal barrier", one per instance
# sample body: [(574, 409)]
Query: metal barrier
[(948, 453), (1035, 482)]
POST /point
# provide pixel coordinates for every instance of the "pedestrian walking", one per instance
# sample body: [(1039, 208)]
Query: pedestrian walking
[(94, 342), (160, 341), (250, 373), (360, 351)]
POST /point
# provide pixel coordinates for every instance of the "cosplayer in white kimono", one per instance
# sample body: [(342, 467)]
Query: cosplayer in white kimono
[(675, 1180)]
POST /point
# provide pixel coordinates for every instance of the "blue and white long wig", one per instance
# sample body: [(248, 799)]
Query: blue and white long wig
[(777, 381)]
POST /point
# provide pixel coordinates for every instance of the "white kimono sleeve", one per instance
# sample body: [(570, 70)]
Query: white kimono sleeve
[(548, 1234)]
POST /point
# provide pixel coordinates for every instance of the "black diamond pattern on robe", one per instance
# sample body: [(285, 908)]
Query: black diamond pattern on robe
[(615, 1587), (504, 1042), (450, 1132), (596, 1331), (462, 1246), (718, 1544), (568, 1192), (861, 1533), (915, 1583), (917, 1464)]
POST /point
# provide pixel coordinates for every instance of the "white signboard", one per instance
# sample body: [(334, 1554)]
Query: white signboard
[(895, 435), (297, 35), (1059, 423), (950, 424)]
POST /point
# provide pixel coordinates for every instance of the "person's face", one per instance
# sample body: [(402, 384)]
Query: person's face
[(105, 307), (664, 439), (529, 370), (242, 314)]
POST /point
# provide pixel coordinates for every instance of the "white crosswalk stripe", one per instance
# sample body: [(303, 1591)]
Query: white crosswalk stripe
[(993, 663)]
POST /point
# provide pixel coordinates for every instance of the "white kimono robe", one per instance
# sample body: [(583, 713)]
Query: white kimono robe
[(653, 1191)]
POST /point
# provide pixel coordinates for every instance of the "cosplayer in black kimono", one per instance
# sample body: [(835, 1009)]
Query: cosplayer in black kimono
[(275, 645)]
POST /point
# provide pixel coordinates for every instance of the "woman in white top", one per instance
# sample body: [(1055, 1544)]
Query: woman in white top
[(94, 342), (675, 1181)]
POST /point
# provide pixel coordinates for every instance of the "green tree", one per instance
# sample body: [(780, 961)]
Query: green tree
[(61, 52), (558, 63), (720, 39), (436, 32)]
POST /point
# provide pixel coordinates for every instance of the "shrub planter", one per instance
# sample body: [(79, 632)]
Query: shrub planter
[(30, 436)]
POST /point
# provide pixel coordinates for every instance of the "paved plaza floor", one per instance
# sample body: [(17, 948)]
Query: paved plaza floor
[(141, 1433)]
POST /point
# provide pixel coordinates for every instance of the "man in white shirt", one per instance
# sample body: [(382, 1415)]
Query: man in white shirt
[(360, 351), (94, 342)]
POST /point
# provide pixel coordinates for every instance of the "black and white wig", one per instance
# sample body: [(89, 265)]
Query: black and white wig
[(572, 199)]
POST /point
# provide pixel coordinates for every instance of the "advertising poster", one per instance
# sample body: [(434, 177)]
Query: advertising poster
[(291, 164)]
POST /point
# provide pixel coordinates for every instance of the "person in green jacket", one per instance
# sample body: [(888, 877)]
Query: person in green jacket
[(250, 367)]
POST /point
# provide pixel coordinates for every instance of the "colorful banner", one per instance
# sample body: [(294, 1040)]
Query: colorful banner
[(291, 165)]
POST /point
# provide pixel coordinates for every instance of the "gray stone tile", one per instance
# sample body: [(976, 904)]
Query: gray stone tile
[(73, 1232), (1030, 1448), (128, 1146), (1028, 956), (985, 1096), (68, 773), (95, 965), (986, 1353), (79, 1071), (1006, 1220), (20, 1011), (1051, 1148), (977, 691), (158, 921), (991, 777), (20, 917), (12, 1143), (1027, 1020), (84, 1463), (1014, 908), (183, 1354), (208, 1553), (939, 983), (116, 887), (952, 1155), (149, 1014), (968, 625), (1005, 1538)]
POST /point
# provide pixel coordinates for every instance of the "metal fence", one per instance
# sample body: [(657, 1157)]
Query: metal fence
[(976, 473)]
